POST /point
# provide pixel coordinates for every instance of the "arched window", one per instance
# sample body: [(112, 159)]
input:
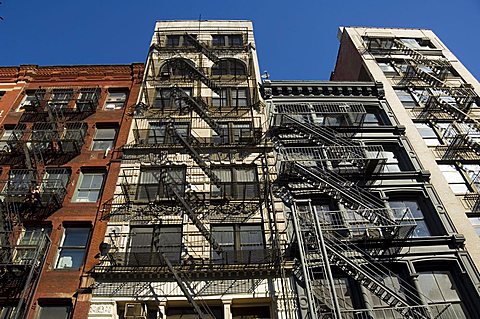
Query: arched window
[(229, 67), (176, 67)]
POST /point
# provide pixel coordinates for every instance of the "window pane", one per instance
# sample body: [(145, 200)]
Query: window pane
[(76, 236), (70, 258), (54, 312)]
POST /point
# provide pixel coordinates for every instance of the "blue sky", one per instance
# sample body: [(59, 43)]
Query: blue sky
[(296, 39)]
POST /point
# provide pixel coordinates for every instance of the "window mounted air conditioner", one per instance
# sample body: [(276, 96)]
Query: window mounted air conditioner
[(134, 310)]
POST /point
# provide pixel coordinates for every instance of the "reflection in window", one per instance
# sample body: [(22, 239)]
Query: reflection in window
[(428, 134), (148, 243), (229, 67), (399, 208), (240, 243), (454, 178), (72, 248), (439, 287), (152, 187)]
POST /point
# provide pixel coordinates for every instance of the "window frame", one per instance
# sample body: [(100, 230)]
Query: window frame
[(62, 247), (105, 140), (237, 254), (79, 188), (117, 103)]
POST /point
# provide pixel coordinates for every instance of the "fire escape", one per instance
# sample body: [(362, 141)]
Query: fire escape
[(170, 142), (315, 160), (48, 134), (442, 102)]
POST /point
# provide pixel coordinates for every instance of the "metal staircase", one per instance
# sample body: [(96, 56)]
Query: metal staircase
[(195, 74), (202, 48), (199, 106), (195, 155), (189, 210), (346, 192)]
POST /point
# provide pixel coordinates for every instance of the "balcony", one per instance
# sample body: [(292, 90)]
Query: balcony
[(47, 139), (33, 195)]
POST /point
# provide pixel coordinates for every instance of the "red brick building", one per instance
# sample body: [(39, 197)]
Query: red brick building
[(62, 130)]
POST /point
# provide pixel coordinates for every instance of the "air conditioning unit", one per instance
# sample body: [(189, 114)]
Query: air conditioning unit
[(135, 310)]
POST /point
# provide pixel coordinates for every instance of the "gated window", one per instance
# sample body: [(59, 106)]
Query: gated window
[(232, 67), (153, 183), (238, 182), (159, 133), (164, 99), (28, 244), (60, 98), (231, 97), (147, 244), (241, 243), (400, 205)]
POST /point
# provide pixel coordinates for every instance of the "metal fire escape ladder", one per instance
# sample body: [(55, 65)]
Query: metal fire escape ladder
[(202, 48), (197, 74), (188, 209), (366, 273), (185, 288), (199, 106), (347, 193), (319, 134), (195, 155)]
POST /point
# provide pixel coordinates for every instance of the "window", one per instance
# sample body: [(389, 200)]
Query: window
[(165, 100), (406, 98), (396, 160), (151, 186), (387, 68), (20, 181), (374, 117), (241, 243), (148, 243), (188, 312), (380, 43), (59, 98), (232, 40), (417, 43), (89, 186), (104, 139), (454, 178), (54, 312), (32, 99), (174, 40), (176, 67), (475, 221), (87, 99), (7, 132), (393, 282), (2, 93), (72, 248), (234, 132), (55, 180), (229, 67), (29, 244), (401, 205), (250, 311), (160, 133), (236, 182), (231, 97), (428, 134), (115, 99), (473, 173), (440, 288)]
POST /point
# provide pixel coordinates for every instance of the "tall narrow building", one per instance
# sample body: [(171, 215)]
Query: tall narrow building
[(193, 228), (437, 100)]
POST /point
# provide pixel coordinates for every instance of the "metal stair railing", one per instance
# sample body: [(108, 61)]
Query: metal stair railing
[(352, 196), (196, 156), (196, 74), (202, 48), (200, 107), (319, 134), (189, 210)]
